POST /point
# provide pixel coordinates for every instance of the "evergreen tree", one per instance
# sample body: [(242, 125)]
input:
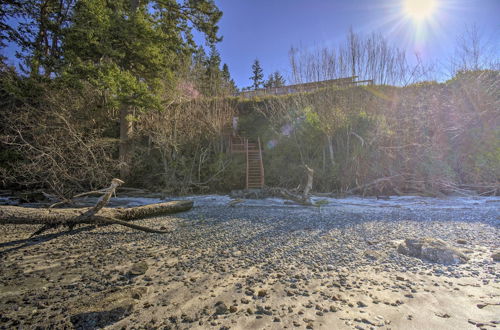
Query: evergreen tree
[(229, 83), (207, 76), (275, 80), (131, 50), (257, 75), (196, 73), (213, 73), (134, 50), (225, 73), (269, 83), (36, 27), (279, 81)]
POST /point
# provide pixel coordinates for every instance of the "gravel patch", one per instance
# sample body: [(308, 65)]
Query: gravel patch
[(258, 264)]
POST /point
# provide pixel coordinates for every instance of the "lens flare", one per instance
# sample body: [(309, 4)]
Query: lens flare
[(419, 9)]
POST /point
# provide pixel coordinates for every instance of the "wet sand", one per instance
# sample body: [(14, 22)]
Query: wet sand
[(260, 265)]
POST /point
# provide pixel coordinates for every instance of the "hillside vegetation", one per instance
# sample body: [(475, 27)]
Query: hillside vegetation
[(426, 138)]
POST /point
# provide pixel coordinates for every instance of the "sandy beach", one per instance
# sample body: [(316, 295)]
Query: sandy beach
[(260, 264)]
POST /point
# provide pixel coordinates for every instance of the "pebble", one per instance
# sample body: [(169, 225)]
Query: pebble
[(220, 308), (291, 247)]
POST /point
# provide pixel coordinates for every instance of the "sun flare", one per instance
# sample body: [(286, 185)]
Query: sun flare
[(419, 10)]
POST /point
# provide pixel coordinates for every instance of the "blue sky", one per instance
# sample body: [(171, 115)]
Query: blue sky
[(265, 29)]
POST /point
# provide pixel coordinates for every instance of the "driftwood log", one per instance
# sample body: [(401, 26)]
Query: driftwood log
[(52, 217), (304, 198), (32, 216), (309, 185)]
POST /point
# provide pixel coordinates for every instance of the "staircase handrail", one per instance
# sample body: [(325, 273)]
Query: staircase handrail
[(261, 164), (247, 169)]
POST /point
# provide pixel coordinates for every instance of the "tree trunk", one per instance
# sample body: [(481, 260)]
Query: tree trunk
[(330, 149), (307, 189), (125, 133), (51, 218), (303, 199), (33, 216)]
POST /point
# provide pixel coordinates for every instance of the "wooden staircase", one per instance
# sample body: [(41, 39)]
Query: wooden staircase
[(254, 165)]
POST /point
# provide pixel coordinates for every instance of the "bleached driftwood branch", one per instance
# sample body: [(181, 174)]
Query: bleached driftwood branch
[(51, 217)]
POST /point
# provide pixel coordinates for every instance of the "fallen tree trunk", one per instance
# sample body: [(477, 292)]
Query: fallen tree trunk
[(33, 216), (370, 184), (51, 218), (286, 194)]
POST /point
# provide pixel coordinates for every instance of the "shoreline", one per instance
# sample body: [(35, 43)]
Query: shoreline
[(260, 265)]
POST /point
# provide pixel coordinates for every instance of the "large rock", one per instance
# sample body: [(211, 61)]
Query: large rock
[(138, 268), (103, 308), (433, 250)]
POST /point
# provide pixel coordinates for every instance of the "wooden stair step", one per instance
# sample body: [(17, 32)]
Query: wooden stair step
[(254, 170)]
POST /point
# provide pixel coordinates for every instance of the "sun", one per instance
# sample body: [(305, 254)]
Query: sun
[(419, 10)]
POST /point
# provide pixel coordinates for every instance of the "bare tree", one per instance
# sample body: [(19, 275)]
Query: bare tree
[(188, 136), (473, 51), (59, 143), (369, 57)]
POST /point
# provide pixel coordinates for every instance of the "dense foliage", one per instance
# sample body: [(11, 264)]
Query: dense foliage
[(120, 88), (424, 138)]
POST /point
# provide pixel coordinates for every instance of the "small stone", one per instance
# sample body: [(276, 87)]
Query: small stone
[(372, 255), (361, 304), (220, 308), (277, 319), (233, 309), (249, 292), (187, 319), (496, 256), (261, 293), (461, 241)]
